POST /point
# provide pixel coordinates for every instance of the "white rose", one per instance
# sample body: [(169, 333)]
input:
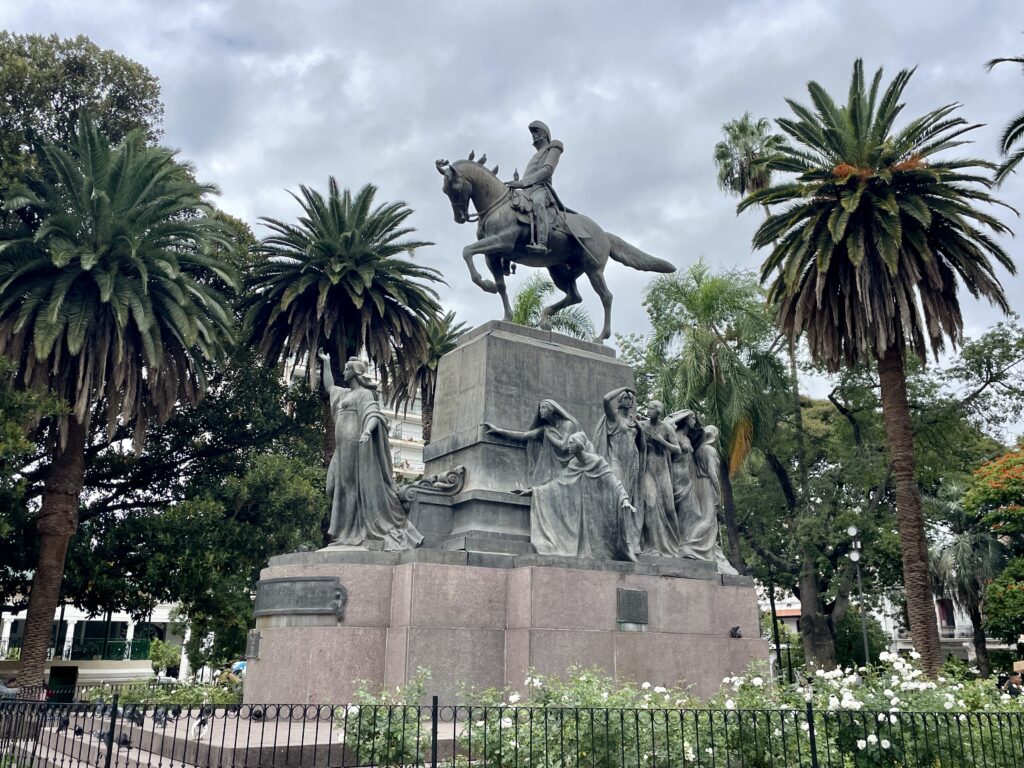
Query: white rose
[(872, 739), (885, 744), (514, 698), (730, 704), (645, 686), (861, 744), (757, 682)]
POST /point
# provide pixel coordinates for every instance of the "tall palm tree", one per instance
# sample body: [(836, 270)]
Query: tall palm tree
[(1013, 133), (740, 157), (110, 306), (443, 335), (528, 302), (965, 558), (712, 345), (342, 278), (875, 234)]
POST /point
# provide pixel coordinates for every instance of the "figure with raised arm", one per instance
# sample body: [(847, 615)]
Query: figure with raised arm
[(360, 482), (619, 439), (546, 452)]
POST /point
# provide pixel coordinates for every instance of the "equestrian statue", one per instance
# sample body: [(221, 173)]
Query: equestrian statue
[(524, 222)]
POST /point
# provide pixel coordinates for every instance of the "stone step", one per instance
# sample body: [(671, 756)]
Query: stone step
[(484, 543)]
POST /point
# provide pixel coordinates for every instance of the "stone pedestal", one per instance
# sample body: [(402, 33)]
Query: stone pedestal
[(499, 373), (488, 626)]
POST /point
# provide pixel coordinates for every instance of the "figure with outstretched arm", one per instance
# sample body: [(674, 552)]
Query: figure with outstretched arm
[(546, 441), (360, 482)]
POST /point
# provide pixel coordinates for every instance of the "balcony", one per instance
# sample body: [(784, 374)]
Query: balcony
[(87, 650)]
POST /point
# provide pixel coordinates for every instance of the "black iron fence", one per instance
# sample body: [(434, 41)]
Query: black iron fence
[(293, 736)]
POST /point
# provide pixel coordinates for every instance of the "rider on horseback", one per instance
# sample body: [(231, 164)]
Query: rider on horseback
[(537, 184)]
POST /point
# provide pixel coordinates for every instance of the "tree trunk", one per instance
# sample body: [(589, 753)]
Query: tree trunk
[(798, 420), (57, 521), (909, 512), (980, 641), (426, 411), (729, 508), (815, 633)]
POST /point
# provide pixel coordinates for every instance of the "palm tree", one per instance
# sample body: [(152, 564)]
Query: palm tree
[(529, 301), (341, 278), (740, 157), (966, 557), (1012, 133), (109, 305), (866, 254), (712, 345), (443, 335)]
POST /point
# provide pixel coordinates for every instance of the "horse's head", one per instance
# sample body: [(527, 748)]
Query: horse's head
[(458, 188)]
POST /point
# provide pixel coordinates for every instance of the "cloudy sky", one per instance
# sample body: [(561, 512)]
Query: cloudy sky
[(263, 96)]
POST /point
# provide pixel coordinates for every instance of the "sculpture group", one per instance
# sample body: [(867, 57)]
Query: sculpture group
[(635, 487), (523, 222)]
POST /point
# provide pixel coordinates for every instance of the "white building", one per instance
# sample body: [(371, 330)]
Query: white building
[(88, 649)]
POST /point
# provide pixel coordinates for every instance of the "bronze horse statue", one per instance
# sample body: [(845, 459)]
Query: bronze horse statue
[(577, 246)]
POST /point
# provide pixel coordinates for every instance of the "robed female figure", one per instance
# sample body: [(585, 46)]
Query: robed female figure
[(360, 481), (546, 441)]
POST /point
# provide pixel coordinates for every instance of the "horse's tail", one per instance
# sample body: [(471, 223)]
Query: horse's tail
[(624, 253)]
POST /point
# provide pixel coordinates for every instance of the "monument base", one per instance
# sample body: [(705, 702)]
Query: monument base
[(486, 619)]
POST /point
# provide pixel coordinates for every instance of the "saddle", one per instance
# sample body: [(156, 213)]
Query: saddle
[(565, 220)]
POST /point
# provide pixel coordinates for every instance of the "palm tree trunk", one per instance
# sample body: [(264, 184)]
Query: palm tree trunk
[(426, 411), (56, 524), (909, 510), (980, 641), (731, 528)]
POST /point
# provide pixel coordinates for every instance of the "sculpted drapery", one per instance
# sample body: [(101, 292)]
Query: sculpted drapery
[(360, 482)]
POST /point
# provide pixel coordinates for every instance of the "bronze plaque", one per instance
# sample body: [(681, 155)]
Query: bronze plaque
[(632, 606), (307, 595)]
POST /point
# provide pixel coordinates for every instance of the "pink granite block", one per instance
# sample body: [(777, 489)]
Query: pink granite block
[(519, 598), (401, 595), (473, 657), (553, 651), (458, 596)]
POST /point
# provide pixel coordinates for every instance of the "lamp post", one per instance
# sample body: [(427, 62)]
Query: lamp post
[(855, 559)]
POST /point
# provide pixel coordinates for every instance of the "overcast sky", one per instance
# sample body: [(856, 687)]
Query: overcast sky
[(263, 96)]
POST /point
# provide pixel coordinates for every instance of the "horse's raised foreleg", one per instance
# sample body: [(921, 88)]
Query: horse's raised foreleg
[(494, 264), (601, 288), (503, 242)]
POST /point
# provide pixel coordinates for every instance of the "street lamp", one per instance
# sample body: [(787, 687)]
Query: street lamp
[(855, 559)]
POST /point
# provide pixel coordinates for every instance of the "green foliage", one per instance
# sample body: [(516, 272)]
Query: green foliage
[(528, 303), (1004, 603), (49, 82), (342, 278), (849, 639), (383, 728), (105, 302), (167, 694), (998, 493), (876, 230), (164, 655), (712, 350), (740, 157), (861, 717), (18, 411), (1012, 133)]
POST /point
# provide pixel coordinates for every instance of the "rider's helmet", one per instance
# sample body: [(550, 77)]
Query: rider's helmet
[(543, 127)]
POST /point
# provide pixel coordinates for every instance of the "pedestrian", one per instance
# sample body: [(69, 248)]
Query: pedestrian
[(1013, 685)]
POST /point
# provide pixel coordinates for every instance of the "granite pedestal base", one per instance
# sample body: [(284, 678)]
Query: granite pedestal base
[(486, 619)]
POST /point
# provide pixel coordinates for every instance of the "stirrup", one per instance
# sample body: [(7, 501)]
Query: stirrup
[(537, 248)]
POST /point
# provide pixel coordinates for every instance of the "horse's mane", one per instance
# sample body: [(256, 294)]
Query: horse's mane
[(481, 162)]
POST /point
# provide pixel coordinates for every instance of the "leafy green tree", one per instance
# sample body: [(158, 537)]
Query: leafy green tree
[(875, 234), (1004, 605), (850, 639), (965, 558), (712, 349), (48, 82), (104, 306), (443, 335), (1013, 133), (528, 302)]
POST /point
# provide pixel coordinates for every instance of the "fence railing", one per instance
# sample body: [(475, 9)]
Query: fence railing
[(296, 736)]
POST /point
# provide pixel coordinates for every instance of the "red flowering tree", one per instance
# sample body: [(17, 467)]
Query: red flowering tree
[(998, 492)]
